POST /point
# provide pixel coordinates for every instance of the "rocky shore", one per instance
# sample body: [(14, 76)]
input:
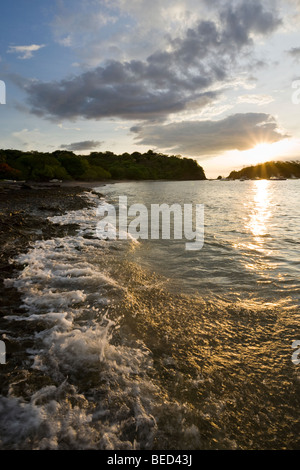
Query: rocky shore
[(24, 209)]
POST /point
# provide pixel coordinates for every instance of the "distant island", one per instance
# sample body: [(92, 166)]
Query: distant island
[(269, 170), (64, 165)]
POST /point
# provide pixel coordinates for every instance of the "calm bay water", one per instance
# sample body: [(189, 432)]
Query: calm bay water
[(251, 236), (144, 345)]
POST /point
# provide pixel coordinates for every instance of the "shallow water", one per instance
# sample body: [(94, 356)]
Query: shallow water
[(144, 345)]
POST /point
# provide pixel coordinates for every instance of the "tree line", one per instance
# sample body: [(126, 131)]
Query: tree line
[(65, 165), (290, 169)]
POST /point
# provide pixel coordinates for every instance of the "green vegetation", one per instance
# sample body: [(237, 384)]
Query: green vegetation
[(269, 170), (65, 165)]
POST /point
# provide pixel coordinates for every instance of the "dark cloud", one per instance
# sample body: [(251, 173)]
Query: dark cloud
[(295, 52), (81, 146), (197, 138), (167, 82), (144, 93), (248, 19)]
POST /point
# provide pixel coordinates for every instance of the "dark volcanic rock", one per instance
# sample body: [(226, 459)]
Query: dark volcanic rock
[(23, 220)]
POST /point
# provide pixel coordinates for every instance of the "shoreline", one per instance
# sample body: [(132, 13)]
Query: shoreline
[(23, 220), (167, 335), (24, 212)]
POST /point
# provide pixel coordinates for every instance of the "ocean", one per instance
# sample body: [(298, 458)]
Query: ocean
[(142, 344)]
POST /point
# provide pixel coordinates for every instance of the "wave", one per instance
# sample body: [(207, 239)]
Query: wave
[(109, 357)]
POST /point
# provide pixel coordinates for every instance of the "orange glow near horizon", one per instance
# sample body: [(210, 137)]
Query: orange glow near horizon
[(260, 153), (263, 152)]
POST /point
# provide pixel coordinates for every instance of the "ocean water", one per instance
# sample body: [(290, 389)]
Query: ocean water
[(141, 344)]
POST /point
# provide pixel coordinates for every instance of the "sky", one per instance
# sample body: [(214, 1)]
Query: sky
[(213, 80)]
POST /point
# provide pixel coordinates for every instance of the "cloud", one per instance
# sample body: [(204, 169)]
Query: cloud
[(26, 52), (78, 22), (120, 30), (61, 126), (28, 139), (81, 146), (258, 100), (295, 52), (100, 93), (186, 73), (203, 138), (250, 18)]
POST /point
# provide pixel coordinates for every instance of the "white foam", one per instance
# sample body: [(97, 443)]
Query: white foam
[(87, 220), (58, 284)]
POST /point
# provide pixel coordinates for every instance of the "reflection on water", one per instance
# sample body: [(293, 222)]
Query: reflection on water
[(261, 210), (251, 237), (108, 355)]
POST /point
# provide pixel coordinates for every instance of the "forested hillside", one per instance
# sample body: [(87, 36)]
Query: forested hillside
[(269, 170), (65, 165)]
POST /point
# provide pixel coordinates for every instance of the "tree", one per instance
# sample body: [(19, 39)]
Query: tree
[(7, 172)]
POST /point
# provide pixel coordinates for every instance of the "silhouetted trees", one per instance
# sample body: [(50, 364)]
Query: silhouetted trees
[(65, 165), (268, 170), (149, 165), (7, 172)]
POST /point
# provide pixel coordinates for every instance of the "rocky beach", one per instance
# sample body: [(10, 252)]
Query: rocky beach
[(24, 212)]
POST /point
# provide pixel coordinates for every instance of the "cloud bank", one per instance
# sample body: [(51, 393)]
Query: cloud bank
[(203, 138), (82, 146), (187, 73)]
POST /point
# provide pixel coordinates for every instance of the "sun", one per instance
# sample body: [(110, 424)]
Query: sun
[(261, 152)]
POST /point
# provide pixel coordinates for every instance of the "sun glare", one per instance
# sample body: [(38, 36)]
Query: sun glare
[(261, 153), (266, 152), (260, 209)]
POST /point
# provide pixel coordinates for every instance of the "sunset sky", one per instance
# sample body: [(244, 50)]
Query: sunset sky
[(207, 79)]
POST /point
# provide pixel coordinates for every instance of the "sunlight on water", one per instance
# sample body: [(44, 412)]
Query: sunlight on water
[(261, 211), (148, 346)]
